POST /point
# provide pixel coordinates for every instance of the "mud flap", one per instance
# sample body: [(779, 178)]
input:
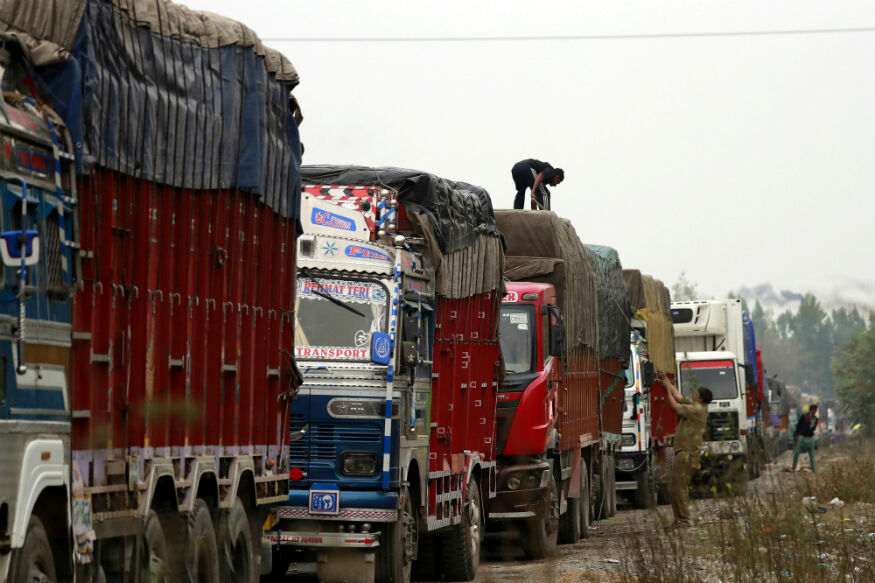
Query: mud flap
[(345, 565), (266, 556)]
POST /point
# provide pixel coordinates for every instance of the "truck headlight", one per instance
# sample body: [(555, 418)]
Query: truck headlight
[(628, 440), (359, 464), (513, 483), (735, 446), (532, 480)]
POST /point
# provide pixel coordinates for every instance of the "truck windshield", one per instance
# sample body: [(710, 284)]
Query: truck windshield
[(517, 338), (716, 375), (630, 376), (335, 317)]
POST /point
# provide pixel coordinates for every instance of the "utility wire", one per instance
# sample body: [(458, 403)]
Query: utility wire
[(576, 37)]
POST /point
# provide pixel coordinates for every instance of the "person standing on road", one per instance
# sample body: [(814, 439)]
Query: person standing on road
[(536, 175), (692, 419), (803, 438)]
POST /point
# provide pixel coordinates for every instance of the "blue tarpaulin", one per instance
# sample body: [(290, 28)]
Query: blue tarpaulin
[(139, 101)]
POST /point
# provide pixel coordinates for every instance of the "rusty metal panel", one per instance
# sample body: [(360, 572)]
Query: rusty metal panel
[(579, 399)]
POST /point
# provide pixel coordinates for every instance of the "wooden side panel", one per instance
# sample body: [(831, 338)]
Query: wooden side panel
[(579, 399)]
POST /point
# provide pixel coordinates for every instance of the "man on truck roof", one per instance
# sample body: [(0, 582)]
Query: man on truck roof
[(692, 419), (534, 174)]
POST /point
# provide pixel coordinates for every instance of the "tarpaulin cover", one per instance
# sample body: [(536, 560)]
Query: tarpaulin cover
[(614, 322), (455, 218), (544, 248), (650, 300), (159, 92)]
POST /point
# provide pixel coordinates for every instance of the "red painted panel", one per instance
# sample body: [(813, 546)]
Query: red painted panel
[(579, 398), (612, 383), (177, 283), (664, 421)]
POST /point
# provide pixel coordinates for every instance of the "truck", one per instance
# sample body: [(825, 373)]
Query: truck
[(149, 213), (648, 422), (756, 399), (565, 343), (709, 346), (393, 452)]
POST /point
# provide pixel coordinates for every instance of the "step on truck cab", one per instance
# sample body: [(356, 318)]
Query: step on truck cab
[(565, 342), (145, 329), (648, 422), (392, 452), (710, 353)]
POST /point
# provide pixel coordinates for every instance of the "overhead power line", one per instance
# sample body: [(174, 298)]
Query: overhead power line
[(574, 37)]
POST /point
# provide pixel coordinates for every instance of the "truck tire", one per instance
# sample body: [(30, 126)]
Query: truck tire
[(34, 558), (394, 559), (585, 501), (239, 564), (539, 534), (426, 567), (154, 562), (461, 546), (569, 523), (203, 556)]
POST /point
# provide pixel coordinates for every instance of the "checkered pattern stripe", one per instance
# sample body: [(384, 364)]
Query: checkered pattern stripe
[(345, 514), (349, 197)]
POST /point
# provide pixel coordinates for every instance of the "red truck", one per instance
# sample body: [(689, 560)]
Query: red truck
[(565, 343), (151, 190), (393, 462)]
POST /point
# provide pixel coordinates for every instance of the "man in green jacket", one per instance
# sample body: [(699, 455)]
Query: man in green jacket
[(692, 419)]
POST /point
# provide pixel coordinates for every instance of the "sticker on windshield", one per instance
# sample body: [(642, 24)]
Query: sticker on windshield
[(523, 326), (519, 318), (361, 338), (349, 291)]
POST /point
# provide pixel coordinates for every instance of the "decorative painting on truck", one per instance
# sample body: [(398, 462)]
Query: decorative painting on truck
[(336, 318)]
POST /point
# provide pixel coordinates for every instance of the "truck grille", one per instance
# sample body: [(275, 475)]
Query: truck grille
[(722, 426), (322, 439)]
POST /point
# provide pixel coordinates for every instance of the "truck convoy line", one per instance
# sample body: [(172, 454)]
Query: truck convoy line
[(216, 361), (149, 218)]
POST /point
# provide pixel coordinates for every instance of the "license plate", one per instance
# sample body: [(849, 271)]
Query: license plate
[(324, 501)]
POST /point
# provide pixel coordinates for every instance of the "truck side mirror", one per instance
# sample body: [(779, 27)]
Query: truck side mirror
[(14, 244), (648, 375), (557, 340)]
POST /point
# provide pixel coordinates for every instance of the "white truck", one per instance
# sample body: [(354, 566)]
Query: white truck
[(709, 347)]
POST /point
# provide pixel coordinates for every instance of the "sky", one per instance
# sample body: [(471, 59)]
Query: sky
[(739, 160)]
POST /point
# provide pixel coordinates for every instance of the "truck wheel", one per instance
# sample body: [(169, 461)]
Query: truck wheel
[(395, 558), (569, 523), (642, 490), (154, 563), (539, 535), (33, 561), (203, 557), (426, 567), (461, 546), (585, 501), (238, 555)]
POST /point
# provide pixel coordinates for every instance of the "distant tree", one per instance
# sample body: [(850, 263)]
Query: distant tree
[(684, 289), (854, 372)]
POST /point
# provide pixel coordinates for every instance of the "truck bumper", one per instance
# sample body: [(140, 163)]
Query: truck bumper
[(525, 501), (347, 540)]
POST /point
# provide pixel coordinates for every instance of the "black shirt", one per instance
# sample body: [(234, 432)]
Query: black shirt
[(806, 425), (545, 167)]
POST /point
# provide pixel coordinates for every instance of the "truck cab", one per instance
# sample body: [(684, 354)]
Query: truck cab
[(527, 400), (709, 345)]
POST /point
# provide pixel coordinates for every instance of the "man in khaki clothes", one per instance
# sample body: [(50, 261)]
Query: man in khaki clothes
[(692, 418)]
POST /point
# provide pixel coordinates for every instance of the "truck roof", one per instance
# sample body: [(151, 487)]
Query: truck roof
[(650, 301), (454, 219), (545, 248)]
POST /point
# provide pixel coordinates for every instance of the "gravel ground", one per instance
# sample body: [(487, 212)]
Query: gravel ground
[(600, 557)]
